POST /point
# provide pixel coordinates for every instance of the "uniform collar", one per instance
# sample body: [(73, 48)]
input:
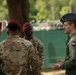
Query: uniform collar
[(13, 36)]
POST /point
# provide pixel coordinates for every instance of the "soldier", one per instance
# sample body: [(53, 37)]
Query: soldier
[(38, 45), (1, 72), (17, 52), (69, 25)]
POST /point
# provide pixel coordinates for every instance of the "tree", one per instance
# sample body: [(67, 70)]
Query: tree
[(72, 4), (26, 10), (18, 10)]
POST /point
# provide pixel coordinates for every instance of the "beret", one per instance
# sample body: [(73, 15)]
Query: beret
[(16, 23), (68, 17), (25, 26), (0, 24)]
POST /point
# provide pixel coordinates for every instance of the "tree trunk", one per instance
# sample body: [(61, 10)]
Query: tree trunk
[(18, 10)]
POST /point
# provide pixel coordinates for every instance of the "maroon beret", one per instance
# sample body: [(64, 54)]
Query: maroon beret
[(25, 26), (16, 23), (0, 24)]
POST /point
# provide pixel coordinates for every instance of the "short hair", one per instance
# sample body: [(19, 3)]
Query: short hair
[(13, 27), (74, 22)]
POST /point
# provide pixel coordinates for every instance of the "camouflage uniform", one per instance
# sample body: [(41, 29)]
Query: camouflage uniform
[(16, 54), (39, 49)]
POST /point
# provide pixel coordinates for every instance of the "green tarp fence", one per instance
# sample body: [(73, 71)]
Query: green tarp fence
[(54, 44)]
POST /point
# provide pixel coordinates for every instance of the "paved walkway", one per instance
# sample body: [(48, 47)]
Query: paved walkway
[(62, 72)]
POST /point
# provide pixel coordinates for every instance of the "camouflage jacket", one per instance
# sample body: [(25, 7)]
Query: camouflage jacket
[(16, 53), (39, 48)]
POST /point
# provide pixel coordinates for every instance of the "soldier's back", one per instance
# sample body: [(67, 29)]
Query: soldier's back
[(15, 55)]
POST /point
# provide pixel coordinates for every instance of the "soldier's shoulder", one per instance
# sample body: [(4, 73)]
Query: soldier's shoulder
[(26, 42), (38, 41), (73, 37), (2, 42)]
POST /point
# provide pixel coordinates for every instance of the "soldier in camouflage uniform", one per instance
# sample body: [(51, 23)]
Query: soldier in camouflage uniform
[(38, 45), (1, 72), (69, 21), (17, 52)]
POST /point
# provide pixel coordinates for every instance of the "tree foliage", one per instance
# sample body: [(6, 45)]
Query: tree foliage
[(3, 10), (51, 9), (43, 9)]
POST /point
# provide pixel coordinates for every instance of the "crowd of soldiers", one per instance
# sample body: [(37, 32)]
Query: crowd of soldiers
[(24, 56), (20, 56)]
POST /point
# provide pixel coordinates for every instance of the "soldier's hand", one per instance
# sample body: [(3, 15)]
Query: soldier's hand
[(56, 67), (61, 62)]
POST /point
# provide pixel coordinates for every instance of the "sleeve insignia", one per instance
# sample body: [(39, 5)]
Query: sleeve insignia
[(74, 43)]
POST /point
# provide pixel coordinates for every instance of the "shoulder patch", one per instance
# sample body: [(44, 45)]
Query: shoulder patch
[(74, 43)]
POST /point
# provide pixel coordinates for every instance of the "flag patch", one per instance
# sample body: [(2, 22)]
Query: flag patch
[(74, 44)]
